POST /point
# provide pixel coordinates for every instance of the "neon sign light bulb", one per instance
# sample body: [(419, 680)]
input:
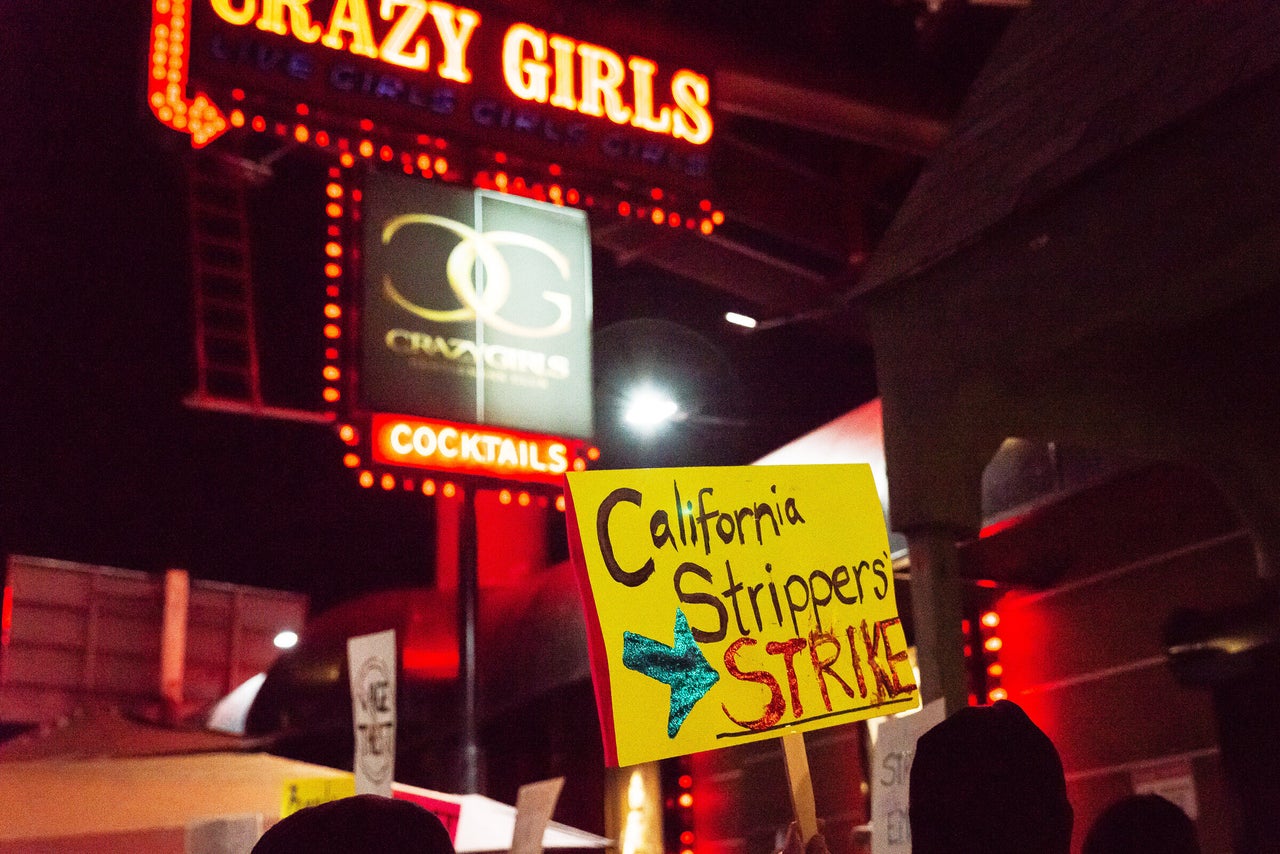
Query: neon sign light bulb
[(740, 319), (285, 640)]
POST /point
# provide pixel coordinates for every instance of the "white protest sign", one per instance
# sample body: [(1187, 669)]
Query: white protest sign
[(371, 661), (1173, 779), (224, 834), (891, 756)]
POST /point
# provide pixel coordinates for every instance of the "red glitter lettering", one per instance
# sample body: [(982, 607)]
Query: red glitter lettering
[(851, 633), (872, 643), (788, 650), (822, 666), (893, 658), (774, 708)]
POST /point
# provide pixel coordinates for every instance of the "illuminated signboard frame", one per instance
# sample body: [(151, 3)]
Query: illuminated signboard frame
[(475, 307), (498, 370), (415, 452), (240, 104)]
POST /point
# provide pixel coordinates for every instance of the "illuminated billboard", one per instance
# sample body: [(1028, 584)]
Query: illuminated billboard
[(465, 149), (476, 307), (423, 65)]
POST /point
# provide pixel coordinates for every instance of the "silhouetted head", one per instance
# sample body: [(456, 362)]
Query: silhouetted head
[(988, 780), (364, 823), (1142, 824)]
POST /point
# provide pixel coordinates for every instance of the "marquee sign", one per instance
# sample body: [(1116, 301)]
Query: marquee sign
[(454, 312), (472, 319), (734, 604), (476, 308), (434, 66)]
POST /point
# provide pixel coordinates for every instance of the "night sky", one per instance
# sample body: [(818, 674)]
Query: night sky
[(102, 461)]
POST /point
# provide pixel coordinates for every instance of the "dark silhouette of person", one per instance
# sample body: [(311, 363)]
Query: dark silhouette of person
[(987, 780), (1142, 824), (364, 823)]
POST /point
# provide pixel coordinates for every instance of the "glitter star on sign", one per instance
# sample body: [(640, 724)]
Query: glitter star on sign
[(682, 666), (781, 587)]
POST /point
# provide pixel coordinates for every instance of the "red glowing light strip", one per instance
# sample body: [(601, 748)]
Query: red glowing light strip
[(415, 160), (442, 445), (999, 526), (426, 663), (6, 615), (167, 81), (990, 621)]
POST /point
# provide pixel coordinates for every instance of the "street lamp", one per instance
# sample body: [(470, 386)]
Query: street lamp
[(649, 408)]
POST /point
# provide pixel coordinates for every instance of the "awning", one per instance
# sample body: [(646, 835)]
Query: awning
[(146, 803)]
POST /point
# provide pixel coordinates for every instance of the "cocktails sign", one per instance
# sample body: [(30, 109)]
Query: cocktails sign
[(734, 604), (469, 449)]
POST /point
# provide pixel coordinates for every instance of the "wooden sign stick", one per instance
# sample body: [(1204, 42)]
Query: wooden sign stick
[(535, 802), (800, 785)]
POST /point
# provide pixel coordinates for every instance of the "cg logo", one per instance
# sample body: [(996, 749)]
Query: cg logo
[(460, 269)]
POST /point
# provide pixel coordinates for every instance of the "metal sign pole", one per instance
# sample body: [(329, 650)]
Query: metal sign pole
[(468, 616)]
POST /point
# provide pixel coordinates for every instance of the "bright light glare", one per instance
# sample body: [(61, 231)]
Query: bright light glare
[(740, 319), (648, 408), (286, 640)]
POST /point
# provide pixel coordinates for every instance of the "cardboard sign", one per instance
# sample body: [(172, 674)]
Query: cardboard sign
[(312, 791), (226, 834), (1174, 780), (892, 754), (479, 824), (535, 804), (371, 662), (734, 604)]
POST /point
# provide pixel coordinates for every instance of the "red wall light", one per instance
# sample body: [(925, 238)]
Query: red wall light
[(6, 615)]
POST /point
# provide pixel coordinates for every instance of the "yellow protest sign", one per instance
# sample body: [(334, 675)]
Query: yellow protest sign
[(732, 604), (310, 791)]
